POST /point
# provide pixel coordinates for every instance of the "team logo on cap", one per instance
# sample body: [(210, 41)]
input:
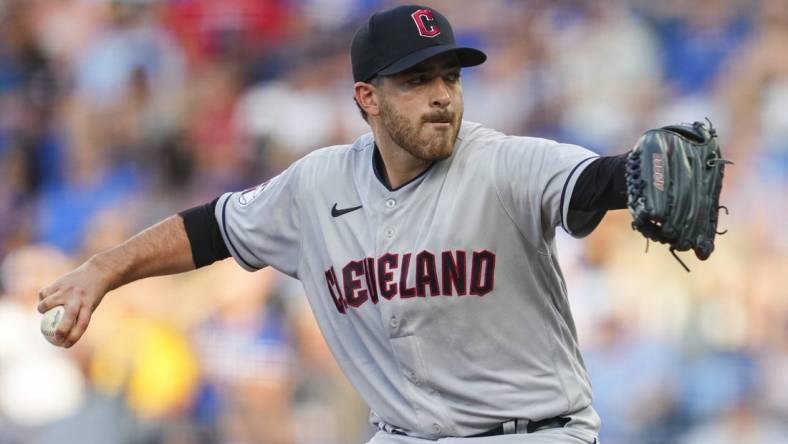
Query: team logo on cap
[(423, 18)]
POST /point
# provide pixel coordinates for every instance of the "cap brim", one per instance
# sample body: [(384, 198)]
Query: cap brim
[(467, 57)]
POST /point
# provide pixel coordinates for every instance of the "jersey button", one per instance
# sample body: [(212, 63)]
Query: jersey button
[(391, 203), (389, 233), (394, 322), (436, 428)]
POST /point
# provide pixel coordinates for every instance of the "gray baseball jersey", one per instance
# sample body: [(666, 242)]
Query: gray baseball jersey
[(442, 300)]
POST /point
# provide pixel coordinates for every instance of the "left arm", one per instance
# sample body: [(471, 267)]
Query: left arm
[(601, 186)]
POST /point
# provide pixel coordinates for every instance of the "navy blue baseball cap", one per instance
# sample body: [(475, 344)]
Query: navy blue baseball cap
[(399, 38)]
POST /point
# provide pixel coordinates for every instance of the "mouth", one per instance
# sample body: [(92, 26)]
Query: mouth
[(442, 122)]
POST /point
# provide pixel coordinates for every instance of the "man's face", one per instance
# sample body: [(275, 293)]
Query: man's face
[(421, 108)]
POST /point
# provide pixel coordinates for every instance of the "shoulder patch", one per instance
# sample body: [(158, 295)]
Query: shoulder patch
[(246, 196)]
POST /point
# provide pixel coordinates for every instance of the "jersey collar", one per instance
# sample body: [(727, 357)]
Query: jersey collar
[(377, 167)]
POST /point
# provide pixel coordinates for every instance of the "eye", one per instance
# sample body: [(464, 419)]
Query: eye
[(452, 77), (418, 80)]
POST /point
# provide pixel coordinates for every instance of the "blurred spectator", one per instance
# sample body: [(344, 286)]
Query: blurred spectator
[(247, 360), (628, 365), (127, 84), (130, 47), (38, 382), (756, 88), (516, 84), (221, 161), (634, 380), (698, 40), (308, 107), (740, 424), (713, 381), (27, 94), (608, 84), (329, 15), (15, 203), (774, 371), (91, 183), (220, 29)]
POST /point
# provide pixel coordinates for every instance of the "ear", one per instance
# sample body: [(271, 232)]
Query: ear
[(366, 95)]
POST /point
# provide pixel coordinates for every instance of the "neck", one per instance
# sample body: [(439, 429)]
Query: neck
[(399, 166)]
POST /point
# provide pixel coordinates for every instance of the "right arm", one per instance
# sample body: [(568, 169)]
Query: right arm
[(173, 245), (261, 221)]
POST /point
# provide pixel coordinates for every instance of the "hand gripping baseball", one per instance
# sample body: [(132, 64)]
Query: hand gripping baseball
[(158, 250), (79, 292)]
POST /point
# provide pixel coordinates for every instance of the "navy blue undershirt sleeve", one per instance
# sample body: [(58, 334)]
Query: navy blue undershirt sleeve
[(601, 186), (202, 229)]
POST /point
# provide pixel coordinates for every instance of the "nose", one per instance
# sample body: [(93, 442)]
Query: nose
[(441, 95)]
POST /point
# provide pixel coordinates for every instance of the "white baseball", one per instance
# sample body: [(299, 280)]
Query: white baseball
[(50, 321)]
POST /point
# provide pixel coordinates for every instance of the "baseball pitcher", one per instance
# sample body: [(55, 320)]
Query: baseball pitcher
[(427, 247)]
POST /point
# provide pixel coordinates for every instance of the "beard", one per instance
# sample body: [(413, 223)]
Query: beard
[(416, 137)]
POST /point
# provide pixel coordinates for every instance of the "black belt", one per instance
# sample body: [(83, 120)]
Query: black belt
[(516, 426)]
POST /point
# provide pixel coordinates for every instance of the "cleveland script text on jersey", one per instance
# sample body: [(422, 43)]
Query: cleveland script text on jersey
[(449, 275)]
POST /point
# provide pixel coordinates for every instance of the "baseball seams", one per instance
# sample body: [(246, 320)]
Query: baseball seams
[(50, 321)]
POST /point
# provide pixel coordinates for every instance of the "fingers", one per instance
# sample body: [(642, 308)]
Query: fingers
[(68, 321), (79, 328), (42, 297), (51, 301)]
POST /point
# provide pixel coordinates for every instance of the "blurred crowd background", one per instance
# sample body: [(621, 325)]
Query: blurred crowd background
[(117, 113)]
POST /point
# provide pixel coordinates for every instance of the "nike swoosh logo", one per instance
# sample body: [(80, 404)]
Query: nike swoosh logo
[(337, 212)]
